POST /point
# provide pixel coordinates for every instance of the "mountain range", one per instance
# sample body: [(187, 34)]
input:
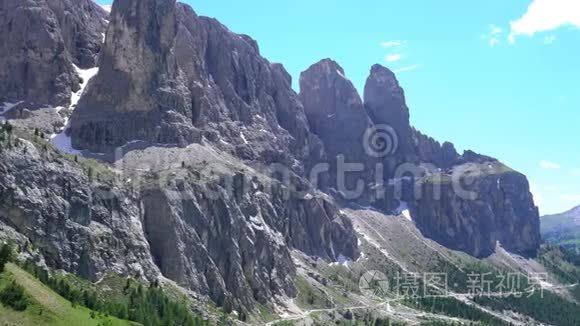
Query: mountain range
[(155, 144), (562, 229)]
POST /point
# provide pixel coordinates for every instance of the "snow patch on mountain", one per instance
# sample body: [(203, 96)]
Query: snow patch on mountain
[(403, 210), (61, 140)]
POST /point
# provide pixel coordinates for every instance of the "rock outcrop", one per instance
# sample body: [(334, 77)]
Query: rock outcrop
[(214, 84), (474, 210), (418, 171), (236, 247), (83, 228), (139, 92), (168, 76), (227, 237), (41, 40), (243, 103), (336, 114), (384, 100), (82, 24)]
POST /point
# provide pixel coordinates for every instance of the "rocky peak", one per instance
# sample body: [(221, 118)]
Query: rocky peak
[(384, 97), (336, 114), (170, 76), (331, 101), (385, 103), (141, 33), (139, 93), (243, 103)]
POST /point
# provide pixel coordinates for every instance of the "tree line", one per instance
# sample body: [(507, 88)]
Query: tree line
[(147, 305)]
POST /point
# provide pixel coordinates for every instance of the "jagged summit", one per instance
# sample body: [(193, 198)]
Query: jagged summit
[(330, 99), (216, 117), (139, 92), (341, 119), (385, 99)]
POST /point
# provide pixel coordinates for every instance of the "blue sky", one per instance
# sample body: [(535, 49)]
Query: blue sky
[(499, 77)]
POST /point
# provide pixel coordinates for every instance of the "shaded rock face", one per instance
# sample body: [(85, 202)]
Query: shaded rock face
[(34, 65), (336, 114), (233, 246), (89, 230), (40, 40), (192, 78), (384, 101), (139, 92), (213, 248), (503, 210), (83, 24), (236, 247), (244, 104)]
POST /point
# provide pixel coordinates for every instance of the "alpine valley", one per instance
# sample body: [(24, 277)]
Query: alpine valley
[(155, 169)]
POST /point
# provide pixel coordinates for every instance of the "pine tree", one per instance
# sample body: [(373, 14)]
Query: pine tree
[(13, 296), (6, 255)]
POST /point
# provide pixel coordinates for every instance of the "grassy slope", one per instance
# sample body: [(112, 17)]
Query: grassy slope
[(46, 307)]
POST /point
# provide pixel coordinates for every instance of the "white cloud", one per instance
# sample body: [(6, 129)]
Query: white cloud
[(106, 7), (407, 68), (493, 35), (393, 44), (549, 165), (546, 15), (393, 57), (575, 172)]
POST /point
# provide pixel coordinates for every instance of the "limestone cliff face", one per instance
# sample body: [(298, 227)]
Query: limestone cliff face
[(236, 247), (420, 171), (243, 103), (83, 228), (82, 24), (384, 100), (190, 78), (139, 92), (336, 114), (232, 246), (493, 207), (41, 40), (168, 76)]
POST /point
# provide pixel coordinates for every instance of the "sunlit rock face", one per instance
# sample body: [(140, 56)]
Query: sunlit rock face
[(182, 82)]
